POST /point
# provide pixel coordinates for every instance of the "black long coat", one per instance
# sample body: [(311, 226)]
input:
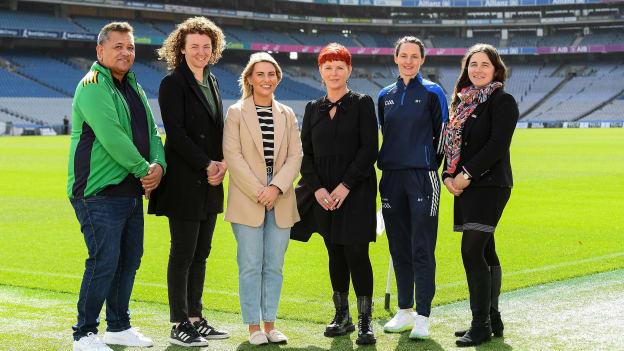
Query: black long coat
[(339, 150), (194, 138), (486, 139)]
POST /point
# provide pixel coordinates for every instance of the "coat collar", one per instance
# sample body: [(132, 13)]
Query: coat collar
[(184, 69), (251, 121), (478, 112), (106, 72), (413, 82)]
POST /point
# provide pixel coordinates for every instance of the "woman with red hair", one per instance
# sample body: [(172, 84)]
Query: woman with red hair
[(339, 139)]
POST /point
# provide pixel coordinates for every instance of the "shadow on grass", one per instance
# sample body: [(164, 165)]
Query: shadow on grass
[(341, 343), (497, 344), (405, 343), (274, 347)]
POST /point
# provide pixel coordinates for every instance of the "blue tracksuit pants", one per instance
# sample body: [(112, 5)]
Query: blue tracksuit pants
[(410, 200)]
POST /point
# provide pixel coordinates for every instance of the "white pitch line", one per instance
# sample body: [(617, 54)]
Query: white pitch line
[(541, 268), (146, 284), (301, 300)]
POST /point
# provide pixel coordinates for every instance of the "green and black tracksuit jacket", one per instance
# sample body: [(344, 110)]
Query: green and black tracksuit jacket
[(102, 152)]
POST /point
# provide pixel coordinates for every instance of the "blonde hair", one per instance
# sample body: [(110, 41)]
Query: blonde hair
[(245, 87), (171, 50)]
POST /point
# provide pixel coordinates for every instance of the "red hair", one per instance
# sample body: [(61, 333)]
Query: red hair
[(334, 52)]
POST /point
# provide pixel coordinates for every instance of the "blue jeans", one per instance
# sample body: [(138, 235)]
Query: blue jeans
[(260, 257), (113, 232)]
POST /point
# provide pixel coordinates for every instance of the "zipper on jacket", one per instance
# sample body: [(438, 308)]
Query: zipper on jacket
[(403, 94), (123, 101)]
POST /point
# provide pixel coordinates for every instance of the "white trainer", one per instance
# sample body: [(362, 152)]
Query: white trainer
[(421, 327), (91, 342), (128, 337), (258, 338), (277, 337), (402, 321)]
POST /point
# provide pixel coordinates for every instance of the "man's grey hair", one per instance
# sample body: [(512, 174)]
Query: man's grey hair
[(122, 27)]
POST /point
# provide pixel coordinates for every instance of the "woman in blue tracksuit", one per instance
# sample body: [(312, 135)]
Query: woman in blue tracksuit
[(412, 113)]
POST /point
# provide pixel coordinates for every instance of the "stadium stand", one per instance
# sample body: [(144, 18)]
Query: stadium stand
[(48, 111), (14, 85), (563, 38), (37, 21), (604, 37), (589, 88), (37, 84), (610, 112), (522, 39), (55, 74), (94, 24), (530, 84)]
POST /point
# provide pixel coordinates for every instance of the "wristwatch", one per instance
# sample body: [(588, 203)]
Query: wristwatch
[(466, 176)]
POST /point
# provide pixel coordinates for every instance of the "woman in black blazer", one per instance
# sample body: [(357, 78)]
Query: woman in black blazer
[(191, 193), (478, 172)]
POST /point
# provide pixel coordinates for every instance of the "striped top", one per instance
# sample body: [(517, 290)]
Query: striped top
[(265, 117)]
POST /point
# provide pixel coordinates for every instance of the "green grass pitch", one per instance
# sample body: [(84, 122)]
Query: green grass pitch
[(564, 219)]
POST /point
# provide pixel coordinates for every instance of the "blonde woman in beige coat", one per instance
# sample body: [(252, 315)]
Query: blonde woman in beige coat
[(262, 148)]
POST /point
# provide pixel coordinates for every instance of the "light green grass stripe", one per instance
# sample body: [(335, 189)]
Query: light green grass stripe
[(299, 300), (564, 211), (579, 314)]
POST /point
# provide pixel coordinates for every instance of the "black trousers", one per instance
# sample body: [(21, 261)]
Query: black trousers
[(350, 261), (191, 242)]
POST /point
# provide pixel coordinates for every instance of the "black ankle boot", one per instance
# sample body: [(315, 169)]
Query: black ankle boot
[(479, 286), (342, 323), (495, 316), (365, 321)]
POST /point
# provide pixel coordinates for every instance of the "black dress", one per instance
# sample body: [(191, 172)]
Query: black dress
[(339, 150)]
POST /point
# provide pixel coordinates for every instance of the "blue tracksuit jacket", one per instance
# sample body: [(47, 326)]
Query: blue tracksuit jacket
[(412, 119)]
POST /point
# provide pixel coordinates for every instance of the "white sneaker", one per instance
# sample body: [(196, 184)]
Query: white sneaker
[(258, 338), (403, 320), (421, 327), (277, 337), (128, 337), (90, 343)]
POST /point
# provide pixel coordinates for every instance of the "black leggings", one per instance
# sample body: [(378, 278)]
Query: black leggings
[(353, 260), (478, 251)]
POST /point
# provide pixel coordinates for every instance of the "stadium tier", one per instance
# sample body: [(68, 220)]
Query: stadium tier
[(154, 31), (37, 21), (564, 61), (588, 89), (40, 87), (610, 112)]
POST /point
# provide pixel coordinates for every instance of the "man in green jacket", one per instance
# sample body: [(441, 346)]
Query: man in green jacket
[(116, 156)]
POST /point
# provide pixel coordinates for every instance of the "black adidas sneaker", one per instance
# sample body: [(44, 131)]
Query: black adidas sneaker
[(186, 335), (208, 332)]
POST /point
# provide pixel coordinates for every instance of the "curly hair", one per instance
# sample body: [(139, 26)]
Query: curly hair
[(171, 50)]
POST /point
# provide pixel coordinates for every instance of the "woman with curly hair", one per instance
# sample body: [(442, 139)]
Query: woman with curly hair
[(191, 193)]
